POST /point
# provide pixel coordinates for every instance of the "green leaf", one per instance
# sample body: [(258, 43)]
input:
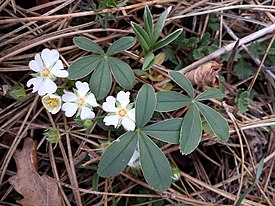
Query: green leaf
[(88, 45), (145, 105), (258, 174), (159, 25), (211, 93), (167, 130), (243, 69), (142, 36), (101, 81), (95, 182), (170, 101), (215, 120), (122, 72), (154, 165), (148, 21), (183, 82), (243, 100), (117, 155), (167, 40), (191, 130), (120, 45), (83, 67), (149, 61)]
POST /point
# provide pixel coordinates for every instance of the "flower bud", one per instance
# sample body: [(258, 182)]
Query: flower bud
[(17, 92), (53, 135), (52, 103), (175, 173)]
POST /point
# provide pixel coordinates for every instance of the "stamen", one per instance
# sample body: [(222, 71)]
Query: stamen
[(80, 101), (46, 72), (122, 112), (52, 102)]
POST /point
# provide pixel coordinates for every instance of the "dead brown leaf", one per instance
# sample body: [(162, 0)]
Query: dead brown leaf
[(206, 74), (37, 190)]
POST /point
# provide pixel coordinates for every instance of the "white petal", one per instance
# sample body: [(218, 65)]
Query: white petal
[(58, 70), (48, 86), (111, 120), (134, 162), (91, 100), (86, 113), (110, 105), (69, 96), (132, 114), (49, 57), (128, 124), (36, 82), (39, 61), (82, 88), (70, 109), (123, 98), (34, 66)]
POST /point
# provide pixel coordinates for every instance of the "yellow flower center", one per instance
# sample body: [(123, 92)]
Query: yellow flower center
[(122, 112), (52, 102), (46, 72), (80, 101)]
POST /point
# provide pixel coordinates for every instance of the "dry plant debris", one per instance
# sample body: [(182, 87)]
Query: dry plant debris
[(216, 173), (37, 190)]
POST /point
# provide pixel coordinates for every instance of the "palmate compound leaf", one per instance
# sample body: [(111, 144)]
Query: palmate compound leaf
[(211, 93), (117, 155), (215, 120), (120, 45), (83, 66), (191, 130), (154, 164), (36, 189), (122, 72), (88, 45), (101, 80), (170, 101), (167, 130), (183, 82), (145, 105)]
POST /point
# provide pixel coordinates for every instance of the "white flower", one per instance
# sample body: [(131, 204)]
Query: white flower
[(48, 67), (52, 103), (120, 112), (81, 101), (135, 160)]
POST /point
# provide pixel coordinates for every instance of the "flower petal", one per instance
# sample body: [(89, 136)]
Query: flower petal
[(82, 88), (86, 113), (134, 161), (58, 70), (49, 57), (91, 100), (39, 61), (131, 114), (36, 82), (111, 120), (110, 105), (70, 109), (128, 124), (123, 98), (48, 86), (34, 66), (69, 96)]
